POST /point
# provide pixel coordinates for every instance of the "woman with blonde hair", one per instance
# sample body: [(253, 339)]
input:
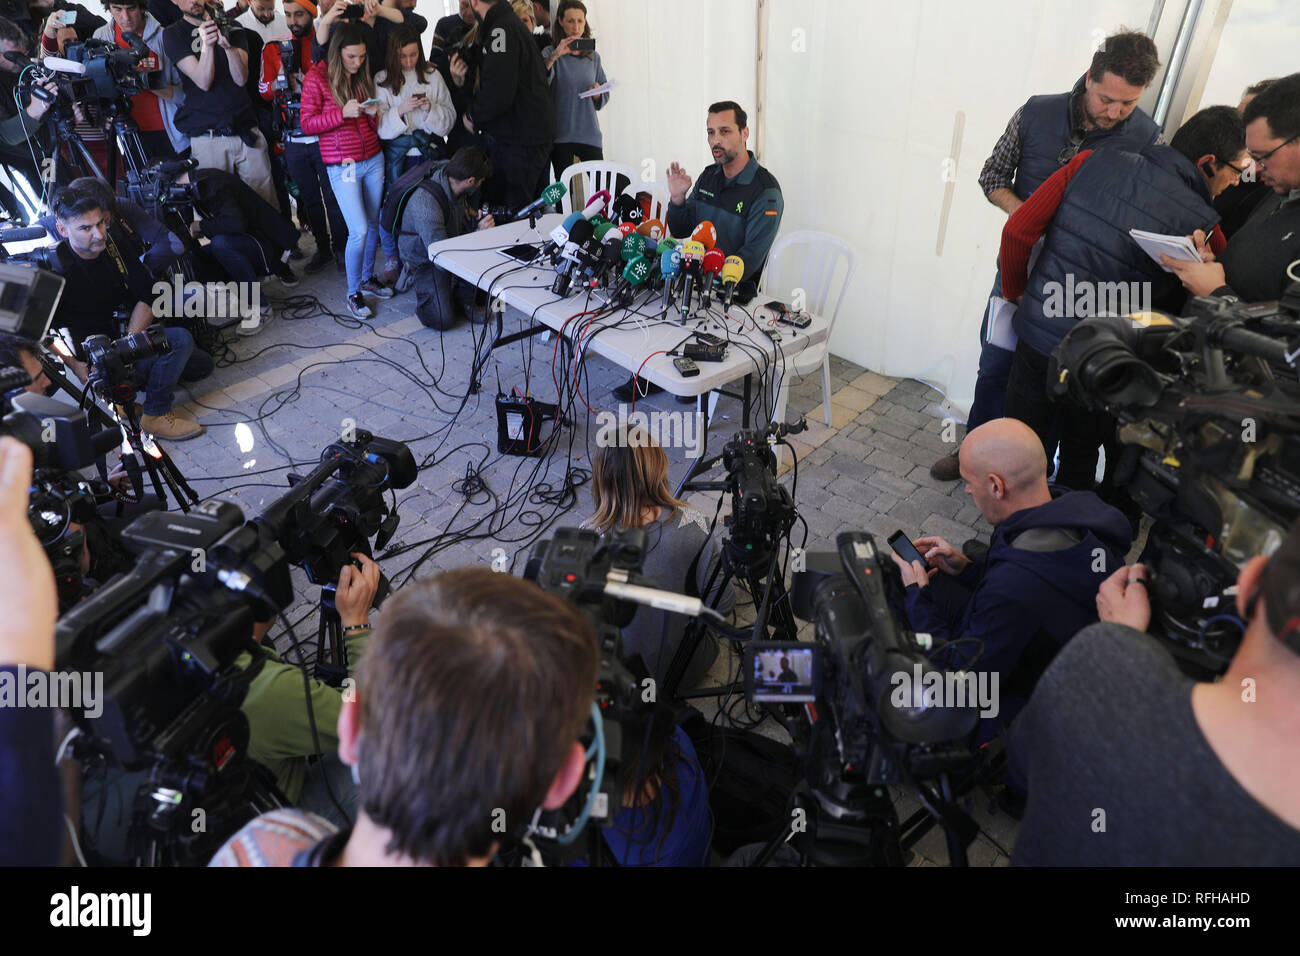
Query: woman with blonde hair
[(629, 483)]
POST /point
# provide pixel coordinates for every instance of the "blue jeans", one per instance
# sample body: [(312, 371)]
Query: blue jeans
[(396, 162), (359, 189), (995, 368), (159, 376)]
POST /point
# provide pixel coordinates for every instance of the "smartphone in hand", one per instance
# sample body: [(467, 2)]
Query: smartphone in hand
[(904, 548)]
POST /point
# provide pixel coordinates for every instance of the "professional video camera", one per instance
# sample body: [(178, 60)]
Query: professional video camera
[(1208, 414), (166, 635), (97, 75), (861, 728), (226, 24), (598, 573)]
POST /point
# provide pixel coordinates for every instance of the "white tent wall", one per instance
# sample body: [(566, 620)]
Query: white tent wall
[(671, 59)]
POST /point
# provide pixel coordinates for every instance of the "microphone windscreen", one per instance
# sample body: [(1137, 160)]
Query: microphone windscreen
[(706, 235), (693, 249), (652, 229), (713, 261), (733, 269)]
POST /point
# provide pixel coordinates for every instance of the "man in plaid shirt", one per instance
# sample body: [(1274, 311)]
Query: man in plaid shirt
[(1043, 135)]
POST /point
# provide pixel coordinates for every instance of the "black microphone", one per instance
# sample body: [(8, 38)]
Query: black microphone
[(17, 56), (625, 209), (570, 259)]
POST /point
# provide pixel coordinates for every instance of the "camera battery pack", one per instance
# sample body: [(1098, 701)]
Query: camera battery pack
[(519, 424)]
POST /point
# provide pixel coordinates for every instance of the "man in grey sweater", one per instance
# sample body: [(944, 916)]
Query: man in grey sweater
[(439, 208), (1131, 763)]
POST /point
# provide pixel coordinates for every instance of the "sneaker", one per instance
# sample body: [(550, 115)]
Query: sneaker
[(405, 279), (318, 262), (254, 322), (376, 288), (946, 468), (392, 272), (357, 306), (171, 426), (284, 272), (643, 388)]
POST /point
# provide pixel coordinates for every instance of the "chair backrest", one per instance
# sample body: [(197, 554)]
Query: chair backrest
[(595, 176), (659, 198), (816, 262)]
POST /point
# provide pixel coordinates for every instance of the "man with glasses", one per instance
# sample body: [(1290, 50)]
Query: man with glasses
[(1254, 265), (1043, 135), (1090, 266)]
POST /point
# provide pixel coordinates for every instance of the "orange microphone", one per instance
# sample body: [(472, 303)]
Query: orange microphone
[(706, 235), (652, 229)]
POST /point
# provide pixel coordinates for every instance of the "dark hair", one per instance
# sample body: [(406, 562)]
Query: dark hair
[(1130, 55), (69, 202), (473, 690), (1256, 88), (742, 118), (557, 31), (1279, 105), (11, 347), (656, 766), (12, 33), (1216, 130), (142, 4), (470, 162), (393, 76)]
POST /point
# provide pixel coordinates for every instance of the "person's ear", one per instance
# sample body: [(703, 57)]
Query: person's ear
[(1248, 586), (566, 778), (349, 726), (62, 229), (997, 487), (1206, 165)]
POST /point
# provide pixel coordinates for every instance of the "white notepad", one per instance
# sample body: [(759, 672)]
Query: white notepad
[(597, 91), (1000, 331), (1175, 247)]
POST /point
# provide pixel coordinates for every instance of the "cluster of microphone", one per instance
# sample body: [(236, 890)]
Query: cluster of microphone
[(625, 252)]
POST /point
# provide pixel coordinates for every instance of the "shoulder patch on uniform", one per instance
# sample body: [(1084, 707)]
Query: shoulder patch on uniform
[(771, 212)]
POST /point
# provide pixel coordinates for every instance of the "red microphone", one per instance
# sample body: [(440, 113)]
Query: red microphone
[(706, 235), (713, 262)]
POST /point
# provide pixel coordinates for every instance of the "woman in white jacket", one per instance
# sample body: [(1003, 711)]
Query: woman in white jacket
[(412, 96)]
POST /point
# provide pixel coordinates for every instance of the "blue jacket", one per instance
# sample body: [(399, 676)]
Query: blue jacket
[(1089, 264), (1020, 596), (1045, 126)]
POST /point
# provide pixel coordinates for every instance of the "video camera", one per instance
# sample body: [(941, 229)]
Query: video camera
[(586, 568), (97, 75), (1208, 414), (166, 634)]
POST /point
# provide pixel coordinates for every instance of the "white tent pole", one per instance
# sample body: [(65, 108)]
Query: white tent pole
[(760, 81)]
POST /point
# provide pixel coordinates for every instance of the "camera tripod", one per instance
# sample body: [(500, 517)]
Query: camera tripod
[(154, 459), (758, 566)]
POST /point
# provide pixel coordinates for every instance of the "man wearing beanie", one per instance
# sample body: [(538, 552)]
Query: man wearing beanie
[(1128, 762)]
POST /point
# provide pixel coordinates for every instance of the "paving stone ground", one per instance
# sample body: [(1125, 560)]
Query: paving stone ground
[(295, 387)]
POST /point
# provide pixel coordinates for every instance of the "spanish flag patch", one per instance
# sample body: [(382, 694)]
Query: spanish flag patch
[(770, 212)]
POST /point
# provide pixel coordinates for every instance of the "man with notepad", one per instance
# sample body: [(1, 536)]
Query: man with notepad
[(1090, 264), (1259, 262), (1101, 111)]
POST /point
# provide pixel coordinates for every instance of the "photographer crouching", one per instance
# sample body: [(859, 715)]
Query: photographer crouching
[(100, 280), (1187, 773)]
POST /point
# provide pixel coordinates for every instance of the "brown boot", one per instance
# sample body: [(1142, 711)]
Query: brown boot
[(946, 468), (171, 426)]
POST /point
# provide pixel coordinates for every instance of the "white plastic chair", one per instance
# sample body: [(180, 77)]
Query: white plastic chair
[(659, 198), (596, 175), (823, 294)]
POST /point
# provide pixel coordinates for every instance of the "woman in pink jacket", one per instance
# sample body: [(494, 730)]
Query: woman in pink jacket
[(339, 105)]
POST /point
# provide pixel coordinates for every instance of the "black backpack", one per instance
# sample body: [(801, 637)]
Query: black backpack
[(751, 778), (403, 188)]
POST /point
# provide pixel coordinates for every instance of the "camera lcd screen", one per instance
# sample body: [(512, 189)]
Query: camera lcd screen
[(781, 673)]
